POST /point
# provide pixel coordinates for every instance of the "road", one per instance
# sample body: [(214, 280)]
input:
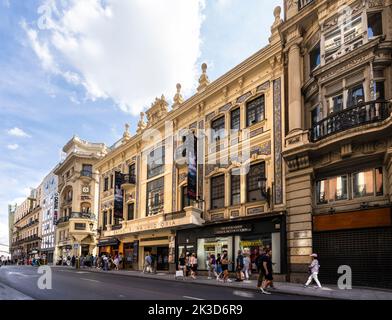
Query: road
[(71, 284)]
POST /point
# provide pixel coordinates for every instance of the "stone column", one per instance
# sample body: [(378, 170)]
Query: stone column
[(299, 222), (295, 96)]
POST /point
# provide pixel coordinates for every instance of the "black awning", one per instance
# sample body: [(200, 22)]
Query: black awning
[(108, 242)]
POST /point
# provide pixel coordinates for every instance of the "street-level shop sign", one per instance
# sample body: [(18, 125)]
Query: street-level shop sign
[(241, 228)]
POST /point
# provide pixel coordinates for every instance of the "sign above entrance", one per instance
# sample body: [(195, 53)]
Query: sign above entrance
[(241, 228)]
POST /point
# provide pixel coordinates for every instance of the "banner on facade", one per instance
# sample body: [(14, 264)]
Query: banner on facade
[(192, 167), (118, 196), (55, 208)]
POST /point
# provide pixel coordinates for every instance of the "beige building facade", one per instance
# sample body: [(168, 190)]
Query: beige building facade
[(76, 222), (338, 140), (229, 197)]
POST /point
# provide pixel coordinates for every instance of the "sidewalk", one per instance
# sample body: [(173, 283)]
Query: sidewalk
[(7, 293), (329, 292)]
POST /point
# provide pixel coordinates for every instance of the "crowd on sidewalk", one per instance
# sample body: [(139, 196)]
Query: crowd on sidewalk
[(103, 262)]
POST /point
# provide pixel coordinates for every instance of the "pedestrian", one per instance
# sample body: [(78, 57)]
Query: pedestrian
[(225, 266), (212, 267), (94, 263), (73, 261), (193, 263), (240, 266), (120, 261), (314, 271), (147, 263), (247, 266), (265, 278), (181, 264), (219, 267), (116, 262), (187, 264), (105, 262)]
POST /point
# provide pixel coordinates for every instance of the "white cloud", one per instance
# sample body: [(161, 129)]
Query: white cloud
[(129, 51), (17, 132), (13, 146)]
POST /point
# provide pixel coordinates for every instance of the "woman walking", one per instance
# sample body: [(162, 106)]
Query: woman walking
[(182, 264), (193, 262), (225, 267), (212, 267), (314, 271), (116, 262), (219, 267), (247, 264)]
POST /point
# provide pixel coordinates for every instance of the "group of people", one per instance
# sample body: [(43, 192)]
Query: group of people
[(104, 261), (188, 264)]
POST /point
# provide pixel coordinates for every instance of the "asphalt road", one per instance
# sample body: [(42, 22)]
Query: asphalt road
[(71, 284)]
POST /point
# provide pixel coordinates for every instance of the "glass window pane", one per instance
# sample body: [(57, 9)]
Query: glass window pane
[(356, 96), (256, 172), (375, 25), (236, 120), (379, 182), (218, 192), (155, 196), (322, 192), (363, 184), (255, 111), (218, 128), (235, 188)]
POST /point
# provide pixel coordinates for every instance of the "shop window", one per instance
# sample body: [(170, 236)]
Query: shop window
[(315, 57), (131, 211), (236, 120), (235, 188), (155, 193), (215, 246), (218, 192), (332, 189), (356, 95), (375, 24), (218, 129), (368, 183), (185, 201), (255, 111), (256, 173), (156, 162), (106, 184), (380, 90)]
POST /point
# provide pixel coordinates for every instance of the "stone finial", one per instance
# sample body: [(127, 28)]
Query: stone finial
[(178, 99), (203, 81), (278, 21), (141, 124), (126, 135)]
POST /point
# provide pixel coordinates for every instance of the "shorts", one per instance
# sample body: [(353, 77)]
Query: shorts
[(269, 277)]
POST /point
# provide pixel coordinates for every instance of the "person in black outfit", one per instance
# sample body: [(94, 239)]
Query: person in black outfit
[(240, 266)]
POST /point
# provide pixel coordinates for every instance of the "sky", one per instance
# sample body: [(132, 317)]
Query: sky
[(87, 67)]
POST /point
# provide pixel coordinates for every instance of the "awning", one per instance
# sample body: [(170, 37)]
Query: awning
[(108, 242)]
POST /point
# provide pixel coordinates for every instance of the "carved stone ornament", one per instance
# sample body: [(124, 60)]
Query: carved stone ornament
[(141, 124), (158, 111), (178, 99), (203, 81)]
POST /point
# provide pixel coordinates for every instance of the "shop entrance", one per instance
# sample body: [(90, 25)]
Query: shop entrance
[(160, 257)]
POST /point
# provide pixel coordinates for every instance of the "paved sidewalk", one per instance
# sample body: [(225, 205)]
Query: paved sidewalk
[(330, 292)]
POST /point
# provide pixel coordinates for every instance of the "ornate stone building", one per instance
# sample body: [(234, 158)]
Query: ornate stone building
[(231, 197), (76, 222), (338, 142)]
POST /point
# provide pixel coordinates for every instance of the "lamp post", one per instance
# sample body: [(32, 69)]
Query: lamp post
[(265, 191)]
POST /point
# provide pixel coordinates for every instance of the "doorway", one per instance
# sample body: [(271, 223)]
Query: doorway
[(160, 256)]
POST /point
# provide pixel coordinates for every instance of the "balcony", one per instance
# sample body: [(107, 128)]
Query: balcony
[(190, 217), (303, 3), (129, 180), (76, 215), (363, 114)]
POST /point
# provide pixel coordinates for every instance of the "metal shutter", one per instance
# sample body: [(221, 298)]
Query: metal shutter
[(367, 251)]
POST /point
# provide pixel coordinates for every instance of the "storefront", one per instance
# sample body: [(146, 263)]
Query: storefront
[(109, 246), (248, 235)]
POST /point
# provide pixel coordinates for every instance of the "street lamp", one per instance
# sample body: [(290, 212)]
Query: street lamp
[(265, 191)]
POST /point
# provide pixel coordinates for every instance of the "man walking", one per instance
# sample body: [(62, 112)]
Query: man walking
[(147, 263), (314, 271), (240, 266)]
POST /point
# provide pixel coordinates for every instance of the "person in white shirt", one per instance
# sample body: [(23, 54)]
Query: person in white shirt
[(314, 269)]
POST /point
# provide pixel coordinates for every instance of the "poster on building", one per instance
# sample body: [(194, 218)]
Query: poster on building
[(118, 196), (55, 208), (192, 167)]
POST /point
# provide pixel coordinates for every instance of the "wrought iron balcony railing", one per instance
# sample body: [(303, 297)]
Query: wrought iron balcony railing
[(303, 3), (362, 114), (129, 179)]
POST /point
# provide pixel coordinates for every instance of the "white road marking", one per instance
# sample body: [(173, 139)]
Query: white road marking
[(91, 280), (193, 298), (243, 294), (82, 272)]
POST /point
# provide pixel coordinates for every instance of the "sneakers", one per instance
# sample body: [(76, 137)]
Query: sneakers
[(264, 292), (209, 278)]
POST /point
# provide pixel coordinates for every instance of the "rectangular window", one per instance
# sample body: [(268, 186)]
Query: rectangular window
[(156, 162), (111, 181), (235, 187), (185, 201), (315, 57), (256, 173), (375, 25), (106, 184), (131, 211), (255, 111), (332, 189), (380, 90), (218, 192), (356, 95), (87, 170), (105, 219), (368, 183), (155, 194), (336, 104), (236, 119), (110, 217), (218, 129)]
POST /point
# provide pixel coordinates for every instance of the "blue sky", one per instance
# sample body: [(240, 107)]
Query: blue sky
[(87, 67)]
